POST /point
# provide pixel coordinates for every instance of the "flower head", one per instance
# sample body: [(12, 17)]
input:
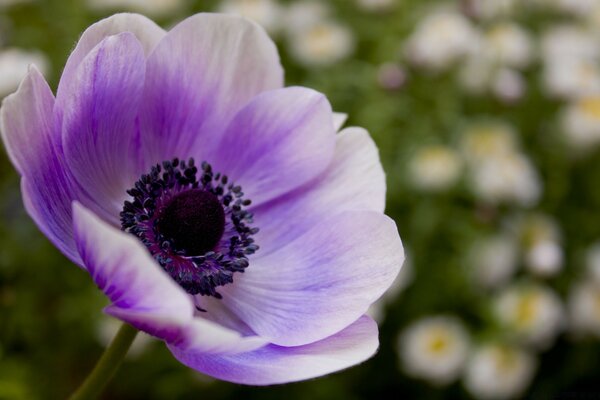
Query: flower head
[(499, 371), (217, 210), (435, 348)]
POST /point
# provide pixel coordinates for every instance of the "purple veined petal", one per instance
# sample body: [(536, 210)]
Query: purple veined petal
[(217, 312), (354, 180), (27, 129), (145, 30), (277, 142), (321, 282), (99, 133), (124, 270), (338, 120), (143, 295), (274, 364), (203, 71)]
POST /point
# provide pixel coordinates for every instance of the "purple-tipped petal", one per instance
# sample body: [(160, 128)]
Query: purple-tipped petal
[(123, 269), (321, 282), (354, 180), (275, 364), (143, 295), (280, 140), (199, 76), (26, 125), (145, 30), (99, 133), (207, 337)]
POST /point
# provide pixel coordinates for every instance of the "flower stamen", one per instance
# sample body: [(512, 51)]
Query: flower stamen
[(194, 223)]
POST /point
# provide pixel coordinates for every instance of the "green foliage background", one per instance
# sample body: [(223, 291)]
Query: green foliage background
[(50, 310)]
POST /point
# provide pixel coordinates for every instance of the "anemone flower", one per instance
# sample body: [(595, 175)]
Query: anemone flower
[(217, 210)]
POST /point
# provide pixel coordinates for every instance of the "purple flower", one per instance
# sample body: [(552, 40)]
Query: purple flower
[(217, 210)]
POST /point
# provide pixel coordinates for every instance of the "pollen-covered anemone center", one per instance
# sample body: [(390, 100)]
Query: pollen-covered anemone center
[(193, 222)]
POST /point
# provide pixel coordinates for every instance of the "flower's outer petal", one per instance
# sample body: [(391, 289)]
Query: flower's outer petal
[(145, 30), (208, 337), (198, 77), (321, 282), (125, 271), (354, 180), (279, 141), (338, 120), (27, 121), (143, 295), (98, 126), (26, 127), (274, 364)]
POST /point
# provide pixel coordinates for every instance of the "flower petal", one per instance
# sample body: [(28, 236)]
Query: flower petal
[(199, 76), (338, 120), (143, 295), (98, 126), (27, 129), (280, 140), (321, 282), (275, 364), (126, 272), (353, 181), (145, 30)]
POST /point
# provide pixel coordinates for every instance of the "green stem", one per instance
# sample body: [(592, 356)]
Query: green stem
[(107, 365)]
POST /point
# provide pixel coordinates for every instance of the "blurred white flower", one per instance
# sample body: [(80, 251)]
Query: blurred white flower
[(108, 327), (506, 178), (592, 262), (267, 13), (322, 43), (507, 44), (568, 42), (581, 123), (300, 15), (498, 372), (497, 170), (571, 56), (494, 260), (492, 65), (544, 258), (571, 78), (541, 238), (584, 309), (434, 348), (376, 5), (391, 76), (441, 39), (482, 141), (508, 85), (435, 168), (532, 313), (576, 7), (150, 7), (490, 9), (14, 64)]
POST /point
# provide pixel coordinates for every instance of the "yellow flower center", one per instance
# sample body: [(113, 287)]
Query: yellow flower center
[(591, 106), (438, 342), (527, 307)]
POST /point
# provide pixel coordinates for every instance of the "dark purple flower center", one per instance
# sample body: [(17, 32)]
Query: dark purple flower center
[(194, 223), (194, 220)]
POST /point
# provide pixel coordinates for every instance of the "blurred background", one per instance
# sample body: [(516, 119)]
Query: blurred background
[(487, 116)]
